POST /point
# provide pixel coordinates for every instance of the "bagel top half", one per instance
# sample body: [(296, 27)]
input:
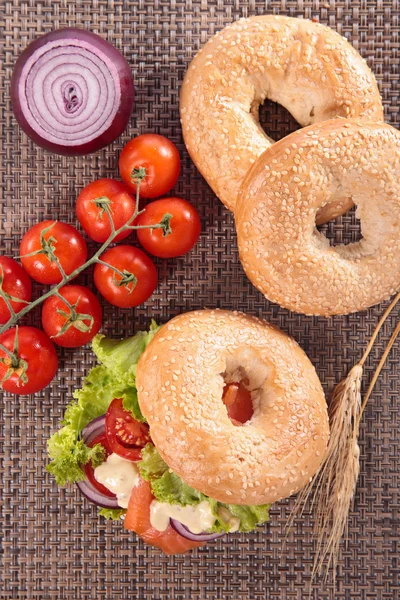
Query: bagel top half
[(180, 381)]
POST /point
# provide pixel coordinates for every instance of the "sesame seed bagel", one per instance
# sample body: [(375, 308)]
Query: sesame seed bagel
[(306, 67), (283, 253), (180, 381)]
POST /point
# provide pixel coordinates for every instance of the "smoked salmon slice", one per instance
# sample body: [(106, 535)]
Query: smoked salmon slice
[(137, 519)]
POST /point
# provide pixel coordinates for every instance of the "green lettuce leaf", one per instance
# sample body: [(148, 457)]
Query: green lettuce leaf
[(112, 513), (120, 358), (250, 516), (114, 378), (168, 487), (121, 355), (92, 400), (69, 454)]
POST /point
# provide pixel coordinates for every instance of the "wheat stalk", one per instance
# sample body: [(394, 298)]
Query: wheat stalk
[(338, 476), (332, 488)]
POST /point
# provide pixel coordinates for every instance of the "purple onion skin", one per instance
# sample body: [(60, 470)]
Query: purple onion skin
[(89, 433), (123, 114)]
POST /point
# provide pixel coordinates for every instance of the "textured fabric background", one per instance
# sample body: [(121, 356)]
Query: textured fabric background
[(53, 545)]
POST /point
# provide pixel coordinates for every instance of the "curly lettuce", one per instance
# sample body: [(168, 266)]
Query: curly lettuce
[(112, 514), (68, 454)]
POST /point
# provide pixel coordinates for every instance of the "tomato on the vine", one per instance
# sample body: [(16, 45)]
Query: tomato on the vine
[(30, 363), (101, 201), (16, 284), (48, 241), (130, 279), (181, 227), (159, 158), (72, 327), (125, 436), (89, 471)]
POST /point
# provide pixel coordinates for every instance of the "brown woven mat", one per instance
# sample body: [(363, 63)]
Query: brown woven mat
[(53, 544)]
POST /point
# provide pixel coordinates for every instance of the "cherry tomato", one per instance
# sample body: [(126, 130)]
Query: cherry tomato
[(237, 400), (89, 471), (47, 240), (14, 282), (181, 227), (34, 364), (139, 281), (92, 205), (72, 328), (158, 156), (125, 436)]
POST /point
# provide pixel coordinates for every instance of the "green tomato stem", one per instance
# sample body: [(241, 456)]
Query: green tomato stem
[(9, 354), (102, 203), (6, 299), (156, 226), (106, 264)]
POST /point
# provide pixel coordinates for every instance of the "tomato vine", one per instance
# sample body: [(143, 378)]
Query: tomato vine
[(48, 249)]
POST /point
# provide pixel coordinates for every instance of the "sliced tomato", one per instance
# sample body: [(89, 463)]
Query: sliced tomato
[(89, 471), (237, 400), (137, 519), (125, 436)]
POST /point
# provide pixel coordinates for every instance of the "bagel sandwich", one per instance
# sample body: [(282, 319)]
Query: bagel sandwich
[(190, 431)]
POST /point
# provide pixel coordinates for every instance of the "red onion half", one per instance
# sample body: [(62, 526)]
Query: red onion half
[(72, 92), (194, 537)]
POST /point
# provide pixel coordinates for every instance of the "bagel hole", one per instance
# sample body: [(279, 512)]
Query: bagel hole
[(343, 230), (276, 121)]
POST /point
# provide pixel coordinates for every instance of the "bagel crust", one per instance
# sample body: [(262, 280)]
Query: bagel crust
[(283, 253), (180, 381), (306, 67)]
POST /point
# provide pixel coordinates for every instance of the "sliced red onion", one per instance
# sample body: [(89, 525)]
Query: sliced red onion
[(95, 428), (194, 537), (90, 492), (72, 92), (89, 433)]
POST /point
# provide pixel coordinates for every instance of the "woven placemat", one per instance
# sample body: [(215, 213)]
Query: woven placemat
[(53, 546)]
